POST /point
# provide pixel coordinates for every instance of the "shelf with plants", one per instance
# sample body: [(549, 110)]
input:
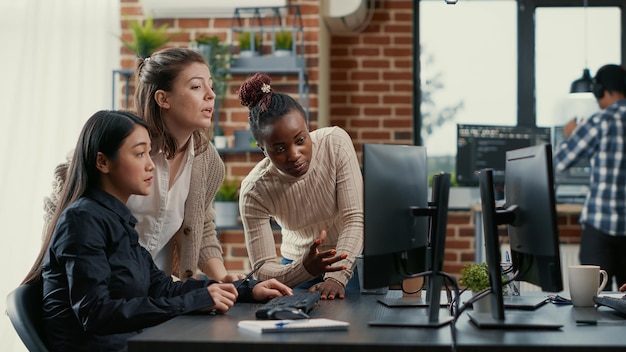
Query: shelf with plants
[(270, 40), (280, 27)]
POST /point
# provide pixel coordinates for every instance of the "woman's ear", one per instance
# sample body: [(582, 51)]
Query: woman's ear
[(161, 99), (102, 163)]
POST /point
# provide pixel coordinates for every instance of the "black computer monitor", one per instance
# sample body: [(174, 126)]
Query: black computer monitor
[(530, 213), (484, 146), (399, 242), (395, 179)]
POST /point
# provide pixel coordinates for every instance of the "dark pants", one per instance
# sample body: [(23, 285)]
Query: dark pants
[(353, 283), (609, 252)]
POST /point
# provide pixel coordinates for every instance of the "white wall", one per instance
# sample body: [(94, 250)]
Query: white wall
[(57, 57)]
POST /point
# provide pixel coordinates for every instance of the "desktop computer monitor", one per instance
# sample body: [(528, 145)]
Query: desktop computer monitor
[(530, 215), (395, 179), (577, 174), (404, 233), (484, 146)]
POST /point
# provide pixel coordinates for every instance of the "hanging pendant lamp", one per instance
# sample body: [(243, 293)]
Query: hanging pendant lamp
[(583, 84)]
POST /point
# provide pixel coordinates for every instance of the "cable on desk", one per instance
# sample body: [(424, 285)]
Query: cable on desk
[(453, 301)]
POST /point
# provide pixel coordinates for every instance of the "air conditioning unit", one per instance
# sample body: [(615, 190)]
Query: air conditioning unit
[(200, 8), (347, 16)]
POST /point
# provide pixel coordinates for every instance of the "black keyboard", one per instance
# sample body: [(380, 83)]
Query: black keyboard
[(304, 301), (619, 304)]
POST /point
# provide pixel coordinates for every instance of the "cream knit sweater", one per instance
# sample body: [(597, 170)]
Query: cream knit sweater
[(329, 195)]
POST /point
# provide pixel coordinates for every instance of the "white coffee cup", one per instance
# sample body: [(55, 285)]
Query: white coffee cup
[(584, 284)]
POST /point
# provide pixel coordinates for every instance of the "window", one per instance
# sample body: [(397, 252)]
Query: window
[(469, 66), (562, 52), (468, 61)]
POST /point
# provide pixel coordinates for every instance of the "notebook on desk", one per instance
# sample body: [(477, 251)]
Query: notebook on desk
[(277, 326)]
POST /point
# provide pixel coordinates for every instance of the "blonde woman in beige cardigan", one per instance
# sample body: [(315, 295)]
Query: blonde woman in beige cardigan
[(311, 184), (175, 222)]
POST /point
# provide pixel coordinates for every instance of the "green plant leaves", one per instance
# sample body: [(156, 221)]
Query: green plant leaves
[(146, 38), (228, 191)]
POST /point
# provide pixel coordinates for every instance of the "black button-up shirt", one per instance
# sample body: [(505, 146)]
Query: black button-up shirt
[(101, 286)]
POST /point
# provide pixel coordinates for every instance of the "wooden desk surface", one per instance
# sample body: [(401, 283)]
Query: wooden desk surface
[(220, 333)]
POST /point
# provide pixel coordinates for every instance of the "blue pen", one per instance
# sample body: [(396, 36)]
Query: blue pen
[(284, 323), (280, 324)]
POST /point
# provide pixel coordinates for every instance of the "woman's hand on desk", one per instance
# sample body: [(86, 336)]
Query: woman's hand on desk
[(329, 289), (623, 288), (269, 289), (318, 263), (224, 296)]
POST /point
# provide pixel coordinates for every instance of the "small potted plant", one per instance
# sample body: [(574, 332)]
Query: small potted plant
[(226, 203), (245, 44), (283, 41), (146, 37), (475, 276)]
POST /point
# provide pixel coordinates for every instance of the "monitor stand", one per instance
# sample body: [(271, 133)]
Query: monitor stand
[(516, 320), (421, 321), (406, 302), (524, 302)]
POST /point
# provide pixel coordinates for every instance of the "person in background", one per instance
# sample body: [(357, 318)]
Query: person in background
[(100, 287), (601, 139), (174, 96), (310, 183)]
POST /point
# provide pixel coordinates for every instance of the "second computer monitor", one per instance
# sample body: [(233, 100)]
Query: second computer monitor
[(530, 216), (484, 146)]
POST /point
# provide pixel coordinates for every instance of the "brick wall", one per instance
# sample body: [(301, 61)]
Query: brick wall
[(371, 82)]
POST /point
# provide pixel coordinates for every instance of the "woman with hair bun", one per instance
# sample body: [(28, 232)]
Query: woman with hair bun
[(311, 184)]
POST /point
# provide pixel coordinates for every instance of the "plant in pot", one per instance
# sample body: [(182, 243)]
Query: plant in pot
[(283, 42), (245, 44), (217, 55), (226, 203), (475, 277), (146, 37)]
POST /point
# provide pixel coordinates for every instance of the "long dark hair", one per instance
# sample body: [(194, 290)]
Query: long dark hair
[(159, 72), (266, 106), (104, 132)]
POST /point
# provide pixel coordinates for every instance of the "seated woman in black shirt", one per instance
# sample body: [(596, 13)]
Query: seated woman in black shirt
[(100, 286)]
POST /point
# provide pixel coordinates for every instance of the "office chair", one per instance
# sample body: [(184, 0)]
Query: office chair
[(24, 310)]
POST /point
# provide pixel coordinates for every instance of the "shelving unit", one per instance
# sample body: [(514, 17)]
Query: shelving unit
[(263, 23), (126, 73), (237, 150)]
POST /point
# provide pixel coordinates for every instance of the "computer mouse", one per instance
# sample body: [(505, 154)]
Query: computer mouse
[(291, 313)]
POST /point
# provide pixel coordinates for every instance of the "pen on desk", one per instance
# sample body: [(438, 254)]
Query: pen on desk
[(600, 322), (283, 323), (251, 273)]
